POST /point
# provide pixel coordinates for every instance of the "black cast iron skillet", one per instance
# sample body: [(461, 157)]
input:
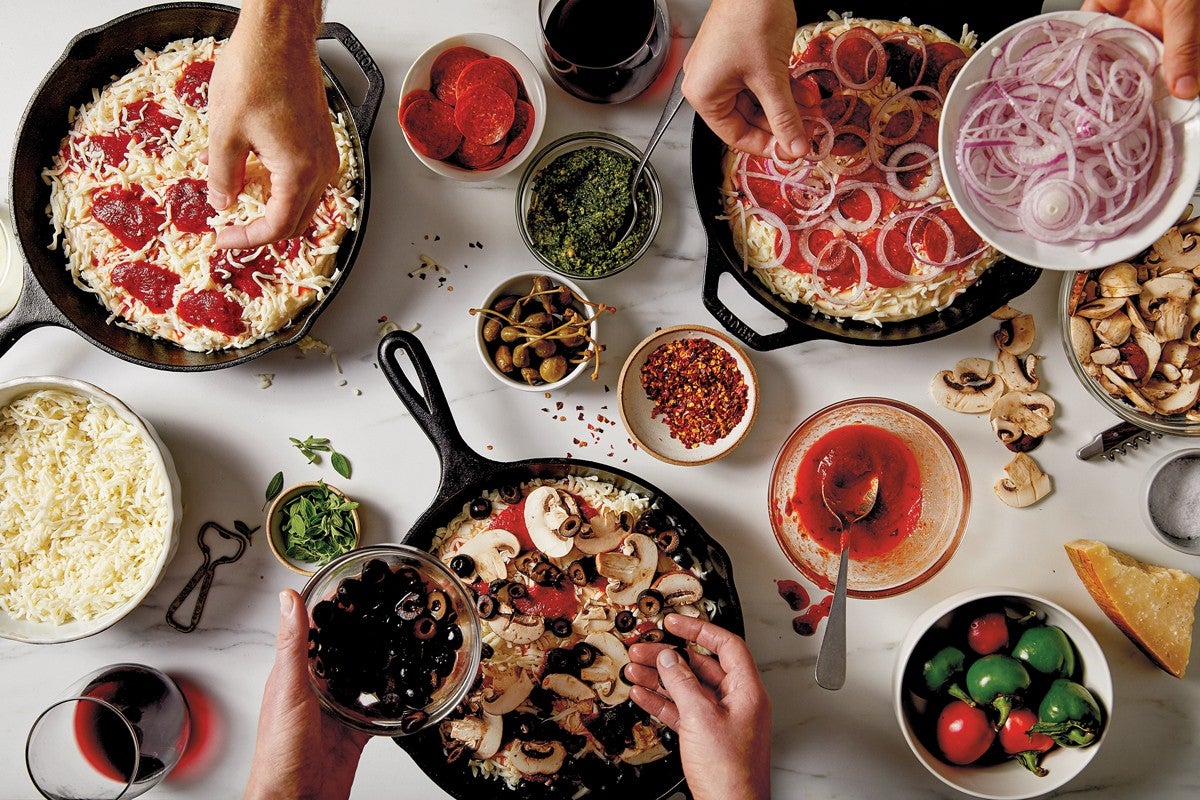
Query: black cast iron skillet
[(1004, 281), (49, 297), (465, 475)]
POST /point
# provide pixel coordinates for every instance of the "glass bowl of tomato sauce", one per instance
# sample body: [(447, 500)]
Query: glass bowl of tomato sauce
[(920, 513)]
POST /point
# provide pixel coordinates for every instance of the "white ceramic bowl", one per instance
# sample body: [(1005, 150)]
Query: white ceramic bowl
[(1007, 780), (520, 285), (417, 77), (1068, 255), (652, 433), (47, 633), (1178, 492)]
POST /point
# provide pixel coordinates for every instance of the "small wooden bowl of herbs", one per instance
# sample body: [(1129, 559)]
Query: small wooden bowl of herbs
[(311, 524)]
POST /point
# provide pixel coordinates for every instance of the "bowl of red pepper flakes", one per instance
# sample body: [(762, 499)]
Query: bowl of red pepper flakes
[(688, 395)]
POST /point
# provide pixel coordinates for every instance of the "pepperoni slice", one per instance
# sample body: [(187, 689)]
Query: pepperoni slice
[(472, 155), (209, 308), (521, 130), (966, 240), (443, 75), (192, 86), (903, 62), (187, 204), (151, 126), (150, 283), (484, 114), (129, 214), (938, 55), (491, 71), (415, 94), (857, 59), (430, 125), (898, 254)]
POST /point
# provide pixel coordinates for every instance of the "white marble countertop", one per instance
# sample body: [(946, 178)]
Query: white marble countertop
[(228, 436)]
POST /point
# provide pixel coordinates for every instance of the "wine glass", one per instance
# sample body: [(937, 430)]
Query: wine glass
[(604, 51), (115, 733)]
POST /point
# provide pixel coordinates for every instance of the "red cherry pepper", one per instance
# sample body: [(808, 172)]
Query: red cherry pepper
[(988, 633), (1022, 744), (964, 733)]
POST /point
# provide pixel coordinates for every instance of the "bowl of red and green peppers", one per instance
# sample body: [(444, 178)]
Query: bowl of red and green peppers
[(1002, 694), (310, 524)]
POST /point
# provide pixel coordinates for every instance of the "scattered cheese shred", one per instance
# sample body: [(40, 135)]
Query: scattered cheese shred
[(84, 508)]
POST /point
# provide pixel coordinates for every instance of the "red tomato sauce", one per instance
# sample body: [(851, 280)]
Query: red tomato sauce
[(209, 308), (848, 458), (192, 86), (187, 202), (549, 601), (129, 214), (152, 284)]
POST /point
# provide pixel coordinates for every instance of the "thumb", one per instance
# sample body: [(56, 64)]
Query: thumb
[(291, 644), (681, 684), (1181, 50), (779, 105), (226, 169)]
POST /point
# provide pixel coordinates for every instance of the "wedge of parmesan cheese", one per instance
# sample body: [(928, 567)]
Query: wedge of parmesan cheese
[(1154, 606), (85, 508)]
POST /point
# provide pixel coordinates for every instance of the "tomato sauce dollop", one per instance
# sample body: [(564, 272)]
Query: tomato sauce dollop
[(129, 214), (152, 284), (847, 458), (192, 86), (187, 200), (210, 309)]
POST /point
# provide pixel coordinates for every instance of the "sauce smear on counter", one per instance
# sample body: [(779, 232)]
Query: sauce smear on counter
[(846, 458)]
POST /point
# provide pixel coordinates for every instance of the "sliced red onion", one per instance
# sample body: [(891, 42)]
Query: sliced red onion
[(872, 40), (857, 225), (928, 187)]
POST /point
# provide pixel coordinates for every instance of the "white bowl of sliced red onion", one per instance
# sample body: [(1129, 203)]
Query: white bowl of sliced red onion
[(1061, 145)]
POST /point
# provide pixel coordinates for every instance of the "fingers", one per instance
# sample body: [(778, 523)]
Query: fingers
[(288, 211), (707, 669), (226, 169), (1181, 48), (681, 684), (656, 705), (775, 97), (731, 650)]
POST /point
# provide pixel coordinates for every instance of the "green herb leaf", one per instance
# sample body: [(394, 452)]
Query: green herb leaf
[(275, 486), (341, 464), (319, 525), (243, 528)]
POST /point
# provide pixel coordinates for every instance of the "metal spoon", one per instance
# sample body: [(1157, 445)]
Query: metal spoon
[(674, 101), (831, 658)]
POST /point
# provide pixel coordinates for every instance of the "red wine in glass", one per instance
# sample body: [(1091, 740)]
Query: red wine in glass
[(604, 51)]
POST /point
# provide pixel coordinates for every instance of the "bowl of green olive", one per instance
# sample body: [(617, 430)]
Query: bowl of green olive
[(1002, 694), (537, 332)]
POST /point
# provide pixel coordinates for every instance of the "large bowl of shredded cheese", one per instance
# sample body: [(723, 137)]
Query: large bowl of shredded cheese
[(89, 509)]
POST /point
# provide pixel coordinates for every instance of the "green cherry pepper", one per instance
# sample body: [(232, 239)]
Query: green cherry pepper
[(996, 680), (1048, 650), (1069, 714), (941, 670)]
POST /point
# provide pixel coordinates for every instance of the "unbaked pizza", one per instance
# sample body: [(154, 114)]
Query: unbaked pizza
[(862, 228), (129, 204)]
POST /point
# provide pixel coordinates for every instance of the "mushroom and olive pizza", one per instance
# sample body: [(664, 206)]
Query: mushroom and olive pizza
[(567, 574), (862, 228), (129, 201)]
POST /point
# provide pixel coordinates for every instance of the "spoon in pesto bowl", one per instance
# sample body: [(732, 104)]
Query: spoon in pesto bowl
[(674, 101)]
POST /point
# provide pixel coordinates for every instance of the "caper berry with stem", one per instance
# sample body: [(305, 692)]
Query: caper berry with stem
[(553, 369)]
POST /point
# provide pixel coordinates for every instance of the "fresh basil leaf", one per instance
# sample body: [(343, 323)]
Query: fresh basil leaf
[(340, 464), (274, 487)]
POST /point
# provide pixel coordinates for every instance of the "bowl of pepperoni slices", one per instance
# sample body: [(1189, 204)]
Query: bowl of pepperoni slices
[(472, 107)]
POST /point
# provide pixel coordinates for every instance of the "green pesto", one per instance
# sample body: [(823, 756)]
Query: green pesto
[(578, 210)]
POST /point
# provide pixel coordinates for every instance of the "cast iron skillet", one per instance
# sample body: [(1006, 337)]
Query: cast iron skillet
[(464, 476), (1004, 281), (49, 297)]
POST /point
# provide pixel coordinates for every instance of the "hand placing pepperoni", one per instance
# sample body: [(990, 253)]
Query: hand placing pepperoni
[(267, 96)]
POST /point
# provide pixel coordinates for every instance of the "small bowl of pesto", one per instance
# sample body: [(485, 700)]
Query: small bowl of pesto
[(572, 203), (311, 524)]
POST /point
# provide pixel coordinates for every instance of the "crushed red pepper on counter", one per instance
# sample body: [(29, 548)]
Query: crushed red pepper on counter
[(697, 388)]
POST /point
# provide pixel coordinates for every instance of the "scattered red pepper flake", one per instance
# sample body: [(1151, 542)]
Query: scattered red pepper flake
[(697, 388)]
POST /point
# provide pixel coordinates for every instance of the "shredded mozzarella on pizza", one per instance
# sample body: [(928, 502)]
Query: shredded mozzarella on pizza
[(84, 508), (296, 273)]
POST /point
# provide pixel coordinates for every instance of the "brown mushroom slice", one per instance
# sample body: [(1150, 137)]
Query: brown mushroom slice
[(647, 746), (1023, 483), (548, 518), (970, 388), (593, 619), (1120, 387), (679, 588), (518, 628), (630, 571), (1016, 335), (1005, 312), (602, 534), (483, 734), (612, 690), (1119, 280), (1179, 401), (1100, 308), (1113, 329), (1105, 356), (1021, 419), (1018, 372), (509, 688), (491, 551), (568, 687), (1083, 338), (536, 758)]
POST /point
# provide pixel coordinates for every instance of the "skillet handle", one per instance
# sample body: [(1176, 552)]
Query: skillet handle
[(714, 267), (461, 466), (364, 114), (33, 310)]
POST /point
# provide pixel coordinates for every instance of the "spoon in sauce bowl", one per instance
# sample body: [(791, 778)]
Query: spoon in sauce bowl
[(674, 101), (831, 658)]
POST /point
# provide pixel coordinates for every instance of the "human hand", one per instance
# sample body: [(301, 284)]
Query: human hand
[(744, 92), (300, 751), (718, 706), (1177, 23), (267, 95)]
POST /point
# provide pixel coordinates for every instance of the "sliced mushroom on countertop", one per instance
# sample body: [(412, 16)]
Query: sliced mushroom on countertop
[(1023, 483), (483, 734), (518, 628), (1021, 419), (536, 758), (602, 534), (552, 518), (629, 570), (970, 388), (1018, 372), (679, 588), (491, 551), (1016, 335), (508, 687)]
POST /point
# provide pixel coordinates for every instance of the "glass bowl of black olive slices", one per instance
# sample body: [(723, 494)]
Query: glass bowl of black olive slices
[(394, 639)]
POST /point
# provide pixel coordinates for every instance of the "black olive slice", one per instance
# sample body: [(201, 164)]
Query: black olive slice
[(585, 654), (409, 606), (650, 603), (485, 604), (462, 565), (625, 621), (481, 508), (437, 603), (510, 494)]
